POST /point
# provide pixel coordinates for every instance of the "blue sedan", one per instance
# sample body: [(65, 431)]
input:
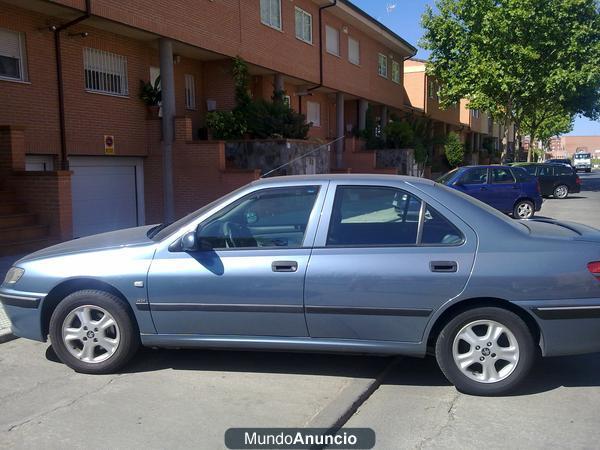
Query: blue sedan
[(508, 189), (336, 263)]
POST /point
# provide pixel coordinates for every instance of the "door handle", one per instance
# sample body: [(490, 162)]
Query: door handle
[(284, 266), (443, 266), (483, 188)]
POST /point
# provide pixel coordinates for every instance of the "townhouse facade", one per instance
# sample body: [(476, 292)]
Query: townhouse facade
[(79, 151), (567, 146), (476, 129)]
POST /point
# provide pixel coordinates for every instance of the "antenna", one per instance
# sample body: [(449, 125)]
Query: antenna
[(301, 156)]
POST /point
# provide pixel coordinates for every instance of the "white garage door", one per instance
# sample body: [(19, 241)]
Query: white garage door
[(107, 194)]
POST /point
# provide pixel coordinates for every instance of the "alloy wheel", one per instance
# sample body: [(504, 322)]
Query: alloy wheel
[(524, 210), (91, 334), (486, 351), (561, 191)]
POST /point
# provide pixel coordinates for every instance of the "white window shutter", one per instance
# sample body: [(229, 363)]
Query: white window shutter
[(10, 44)]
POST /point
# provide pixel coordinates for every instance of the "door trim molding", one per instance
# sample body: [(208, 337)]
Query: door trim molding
[(225, 307), (367, 311)]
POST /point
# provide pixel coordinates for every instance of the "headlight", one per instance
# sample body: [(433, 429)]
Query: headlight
[(13, 275)]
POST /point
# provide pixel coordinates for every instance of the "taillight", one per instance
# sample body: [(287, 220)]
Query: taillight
[(594, 268), (578, 180), (539, 188)]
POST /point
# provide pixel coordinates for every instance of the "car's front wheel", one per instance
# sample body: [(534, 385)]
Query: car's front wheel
[(485, 351), (561, 191), (92, 332), (524, 209)]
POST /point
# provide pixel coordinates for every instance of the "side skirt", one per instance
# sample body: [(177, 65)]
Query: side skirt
[(417, 349)]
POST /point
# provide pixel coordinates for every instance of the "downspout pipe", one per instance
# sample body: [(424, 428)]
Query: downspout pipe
[(64, 162), (321, 8)]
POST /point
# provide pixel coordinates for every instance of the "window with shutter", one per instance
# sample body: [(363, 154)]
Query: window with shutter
[(353, 51), (382, 66), (332, 37), (12, 55), (313, 113)]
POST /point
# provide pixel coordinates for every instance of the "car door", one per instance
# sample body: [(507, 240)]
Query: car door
[(383, 261), (248, 278), (504, 189), (546, 178), (474, 182)]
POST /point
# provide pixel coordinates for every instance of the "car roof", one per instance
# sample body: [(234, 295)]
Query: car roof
[(342, 177)]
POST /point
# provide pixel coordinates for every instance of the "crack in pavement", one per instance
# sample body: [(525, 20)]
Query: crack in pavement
[(63, 406), (451, 415)]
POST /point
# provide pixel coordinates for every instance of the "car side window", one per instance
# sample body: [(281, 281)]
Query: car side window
[(502, 176), (437, 230), (563, 170), (373, 216), (476, 175), (269, 218), (546, 171), (521, 174), (529, 169)]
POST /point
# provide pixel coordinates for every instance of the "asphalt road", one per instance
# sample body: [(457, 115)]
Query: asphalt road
[(187, 399), (559, 407)]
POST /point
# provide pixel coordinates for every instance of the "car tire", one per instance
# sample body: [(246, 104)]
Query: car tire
[(93, 332), (561, 191), (524, 209), (512, 354)]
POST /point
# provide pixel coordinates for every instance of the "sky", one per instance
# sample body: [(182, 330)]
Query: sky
[(404, 18)]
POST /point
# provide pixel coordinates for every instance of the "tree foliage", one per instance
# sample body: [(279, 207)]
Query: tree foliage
[(454, 150), (532, 62)]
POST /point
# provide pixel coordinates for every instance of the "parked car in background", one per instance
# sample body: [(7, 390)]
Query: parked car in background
[(557, 180), (583, 161), (508, 189), (566, 161), (350, 263)]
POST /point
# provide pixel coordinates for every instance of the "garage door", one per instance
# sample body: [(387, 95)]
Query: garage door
[(106, 194)]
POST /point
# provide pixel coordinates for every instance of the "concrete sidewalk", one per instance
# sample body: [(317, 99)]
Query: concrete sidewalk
[(173, 398)]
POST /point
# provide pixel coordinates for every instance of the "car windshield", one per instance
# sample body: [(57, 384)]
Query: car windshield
[(161, 231), (583, 156), (444, 179)]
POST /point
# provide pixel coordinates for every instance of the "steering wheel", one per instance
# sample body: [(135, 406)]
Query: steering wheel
[(228, 232)]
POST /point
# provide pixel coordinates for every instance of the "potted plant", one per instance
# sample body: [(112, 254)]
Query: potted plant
[(151, 95)]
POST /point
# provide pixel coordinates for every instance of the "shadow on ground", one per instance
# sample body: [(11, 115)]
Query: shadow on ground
[(548, 374)]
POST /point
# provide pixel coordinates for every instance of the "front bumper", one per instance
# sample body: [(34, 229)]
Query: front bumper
[(24, 311), (568, 327)]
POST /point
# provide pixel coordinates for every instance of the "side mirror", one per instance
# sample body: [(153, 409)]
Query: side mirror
[(189, 243)]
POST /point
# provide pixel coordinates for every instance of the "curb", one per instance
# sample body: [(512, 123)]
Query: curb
[(339, 411), (6, 335)]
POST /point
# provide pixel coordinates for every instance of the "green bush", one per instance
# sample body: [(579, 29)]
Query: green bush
[(267, 119), (150, 94), (454, 150), (225, 125), (399, 134)]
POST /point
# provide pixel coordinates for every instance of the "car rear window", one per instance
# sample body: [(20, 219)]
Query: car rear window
[(521, 174), (563, 170)]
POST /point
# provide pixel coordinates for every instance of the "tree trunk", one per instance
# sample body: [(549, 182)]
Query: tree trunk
[(531, 144)]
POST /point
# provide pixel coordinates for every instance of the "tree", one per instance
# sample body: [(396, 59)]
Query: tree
[(524, 61), (454, 150)]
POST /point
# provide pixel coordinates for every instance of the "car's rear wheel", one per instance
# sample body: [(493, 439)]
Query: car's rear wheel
[(524, 209), (92, 332), (561, 191), (485, 351)]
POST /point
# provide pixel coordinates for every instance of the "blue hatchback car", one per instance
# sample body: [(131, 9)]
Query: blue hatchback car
[(508, 189)]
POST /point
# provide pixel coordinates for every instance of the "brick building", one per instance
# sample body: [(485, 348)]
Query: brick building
[(472, 125), (79, 153), (566, 146)]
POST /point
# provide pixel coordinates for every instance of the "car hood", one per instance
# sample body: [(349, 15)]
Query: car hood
[(539, 227), (129, 237)]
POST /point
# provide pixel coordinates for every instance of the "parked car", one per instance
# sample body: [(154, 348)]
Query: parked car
[(338, 263), (557, 180), (508, 189), (582, 161), (566, 161)]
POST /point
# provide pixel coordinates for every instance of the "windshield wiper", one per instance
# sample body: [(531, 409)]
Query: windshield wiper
[(154, 230)]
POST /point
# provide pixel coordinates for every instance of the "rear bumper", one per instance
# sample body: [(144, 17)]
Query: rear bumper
[(575, 189), (568, 327), (23, 310)]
